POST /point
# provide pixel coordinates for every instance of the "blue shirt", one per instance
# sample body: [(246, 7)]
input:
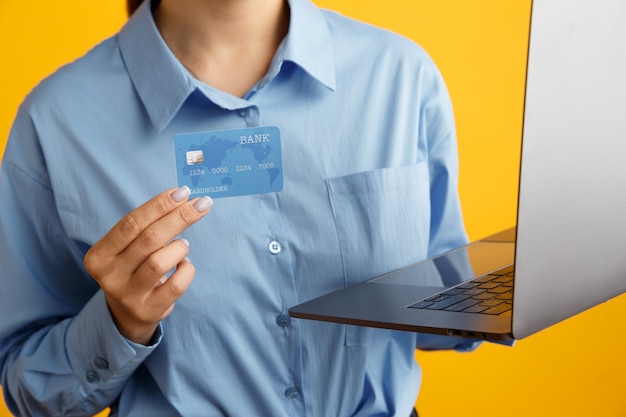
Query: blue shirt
[(370, 185)]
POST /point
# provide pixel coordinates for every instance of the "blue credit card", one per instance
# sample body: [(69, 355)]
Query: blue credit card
[(228, 163)]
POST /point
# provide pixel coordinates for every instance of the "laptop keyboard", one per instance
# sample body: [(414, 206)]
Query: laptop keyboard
[(488, 294)]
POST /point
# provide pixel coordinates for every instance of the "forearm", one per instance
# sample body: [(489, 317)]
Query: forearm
[(75, 367)]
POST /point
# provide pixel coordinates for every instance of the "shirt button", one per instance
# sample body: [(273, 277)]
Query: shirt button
[(92, 377), (274, 247), (243, 112), (101, 363), (292, 393), (283, 320)]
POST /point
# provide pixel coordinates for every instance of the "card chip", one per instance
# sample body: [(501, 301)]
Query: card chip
[(195, 157)]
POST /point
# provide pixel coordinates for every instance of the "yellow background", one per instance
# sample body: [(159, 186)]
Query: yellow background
[(575, 368)]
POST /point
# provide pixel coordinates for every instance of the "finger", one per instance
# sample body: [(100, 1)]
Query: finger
[(157, 265), (159, 233), (165, 295), (134, 223)]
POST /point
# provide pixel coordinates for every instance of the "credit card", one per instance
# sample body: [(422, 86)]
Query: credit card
[(228, 163)]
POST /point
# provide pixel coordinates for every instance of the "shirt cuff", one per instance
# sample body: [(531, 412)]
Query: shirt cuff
[(99, 355)]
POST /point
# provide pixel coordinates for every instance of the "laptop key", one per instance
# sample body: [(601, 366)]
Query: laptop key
[(489, 285), (462, 305), (474, 291), (496, 310), (440, 305), (483, 279), (452, 291), (505, 296), (436, 298), (470, 284), (484, 296), (499, 290), (491, 303), (421, 304), (476, 308)]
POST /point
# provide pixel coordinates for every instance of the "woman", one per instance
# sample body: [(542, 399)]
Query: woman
[(180, 307)]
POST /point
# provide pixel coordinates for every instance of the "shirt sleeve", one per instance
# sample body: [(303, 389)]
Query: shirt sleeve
[(60, 352), (447, 230)]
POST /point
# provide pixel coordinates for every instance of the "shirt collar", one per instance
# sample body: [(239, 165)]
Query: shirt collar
[(163, 84), (309, 43)]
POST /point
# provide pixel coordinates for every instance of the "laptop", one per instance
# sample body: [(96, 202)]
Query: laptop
[(567, 252)]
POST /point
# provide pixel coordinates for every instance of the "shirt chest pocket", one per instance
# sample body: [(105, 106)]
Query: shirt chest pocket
[(383, 223)]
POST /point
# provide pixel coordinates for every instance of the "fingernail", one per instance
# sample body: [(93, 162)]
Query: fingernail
[(180, 194), (186, 259), (203, 204), (185, 241)]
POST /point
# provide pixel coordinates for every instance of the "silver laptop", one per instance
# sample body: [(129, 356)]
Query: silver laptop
[(568, 250)]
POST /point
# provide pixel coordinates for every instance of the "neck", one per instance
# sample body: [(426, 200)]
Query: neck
[(228, 44)]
